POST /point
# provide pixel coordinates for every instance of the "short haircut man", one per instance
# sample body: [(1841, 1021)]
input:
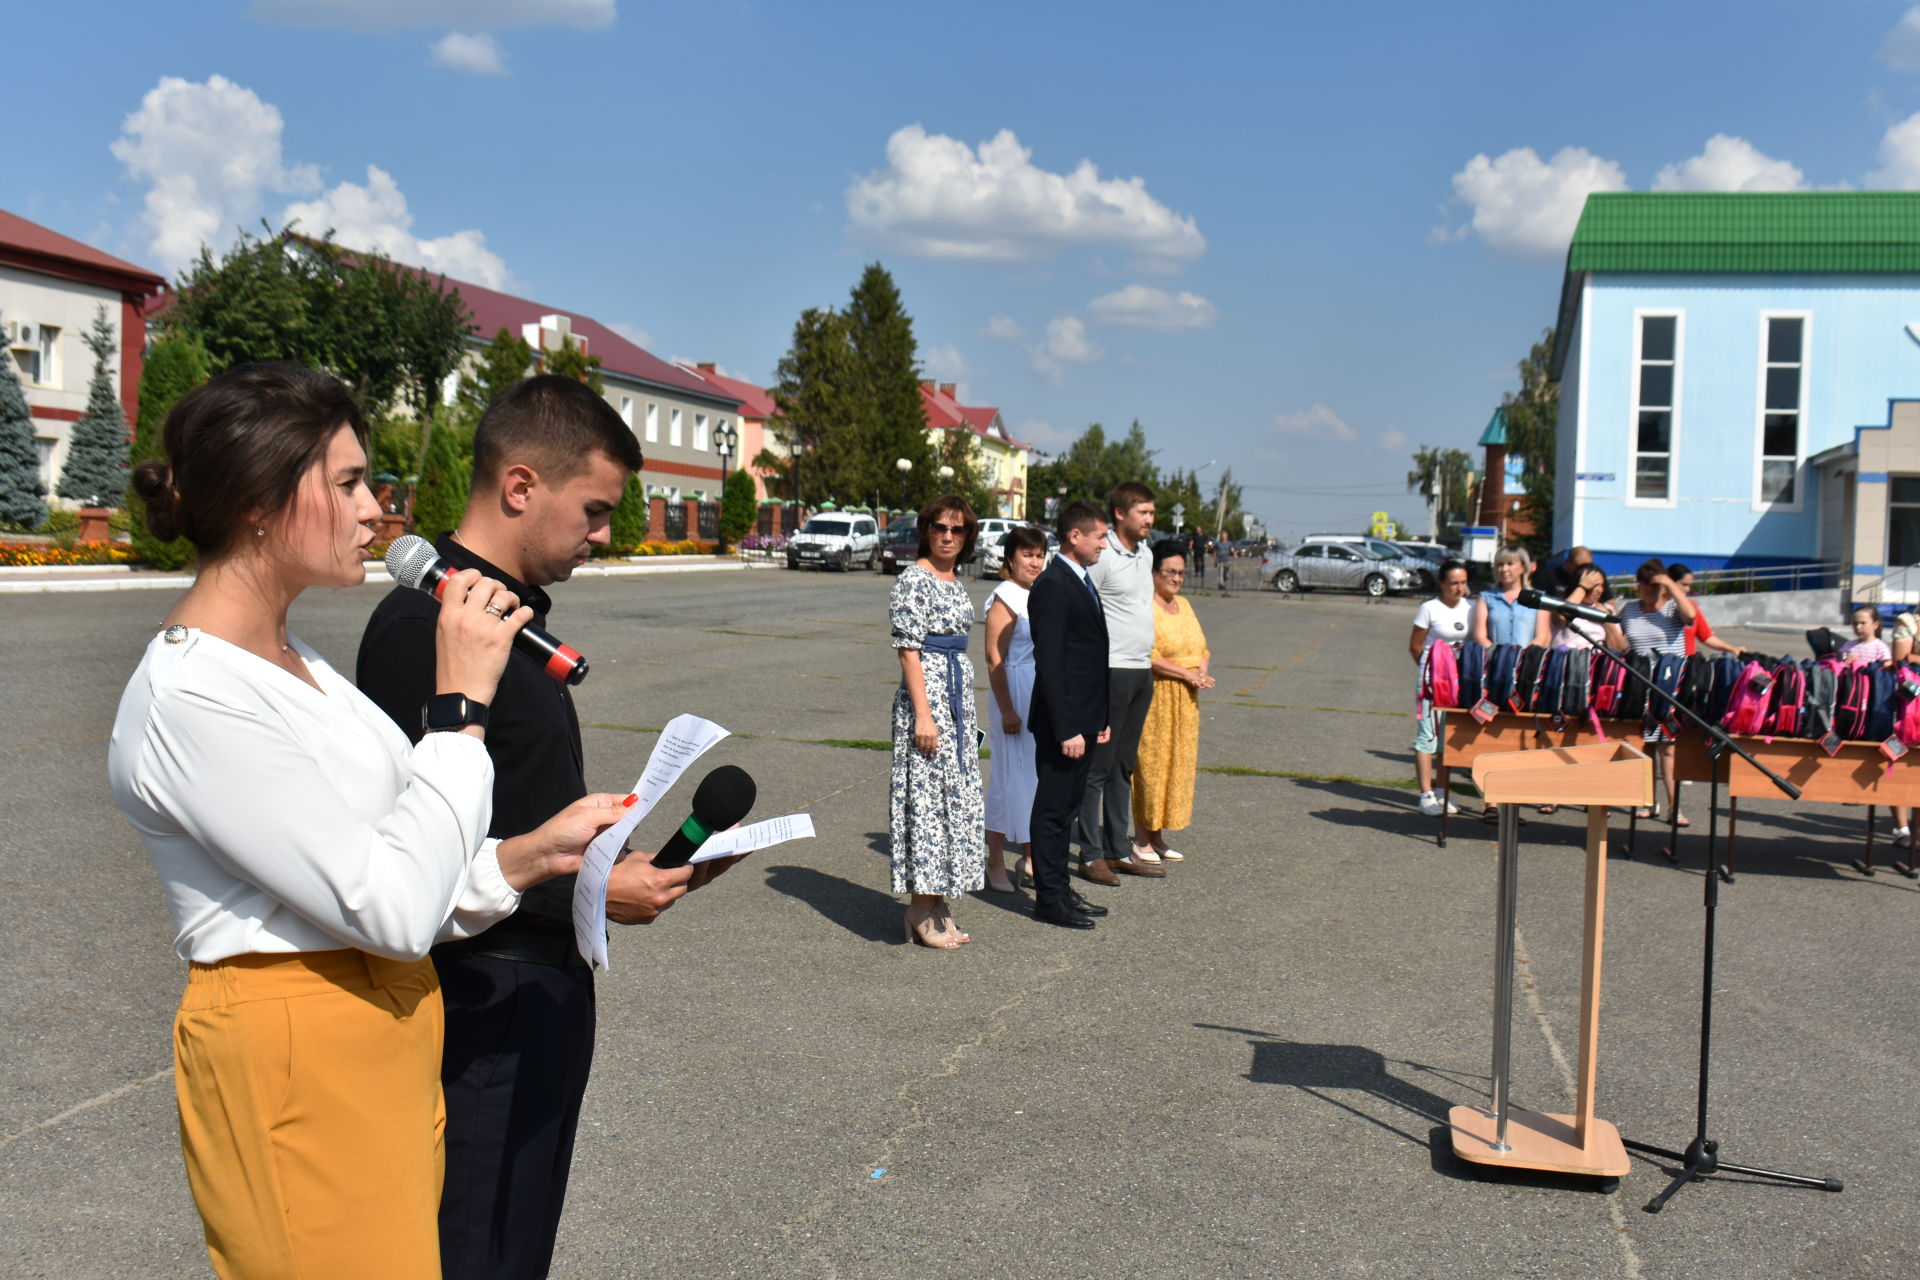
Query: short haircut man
[(1124, 576), (551, 461)]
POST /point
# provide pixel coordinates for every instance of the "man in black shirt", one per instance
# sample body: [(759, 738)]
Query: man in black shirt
[(551, 460)]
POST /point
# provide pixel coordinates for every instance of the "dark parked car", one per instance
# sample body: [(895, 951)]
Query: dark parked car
[(900, 544)]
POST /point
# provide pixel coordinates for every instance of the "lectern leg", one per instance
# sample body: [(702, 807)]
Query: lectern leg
[(1508, 874)]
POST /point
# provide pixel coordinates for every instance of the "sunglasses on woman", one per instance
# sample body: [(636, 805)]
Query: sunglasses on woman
[(951, 530)]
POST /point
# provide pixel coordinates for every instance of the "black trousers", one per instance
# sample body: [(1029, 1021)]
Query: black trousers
[(1106, 814), (1056, 795), (518, 1050)]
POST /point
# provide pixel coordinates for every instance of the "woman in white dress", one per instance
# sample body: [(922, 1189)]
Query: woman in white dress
[(1010, 673)]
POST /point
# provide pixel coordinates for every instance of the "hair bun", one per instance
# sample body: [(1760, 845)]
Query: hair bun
[(153, 481)]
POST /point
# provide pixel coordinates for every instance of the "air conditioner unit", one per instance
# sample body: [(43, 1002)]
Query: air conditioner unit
[(26, 335)]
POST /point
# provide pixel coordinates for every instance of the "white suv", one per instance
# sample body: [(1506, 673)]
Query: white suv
[(987, 545), (838, 540)]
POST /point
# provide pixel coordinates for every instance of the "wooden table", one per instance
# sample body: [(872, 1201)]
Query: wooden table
[(1857, 775)]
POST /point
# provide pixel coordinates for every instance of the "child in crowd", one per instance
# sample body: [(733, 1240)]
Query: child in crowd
[(1441, 620), (1866, 648)]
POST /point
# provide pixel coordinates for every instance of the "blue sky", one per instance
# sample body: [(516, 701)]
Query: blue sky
[(1296, 240)]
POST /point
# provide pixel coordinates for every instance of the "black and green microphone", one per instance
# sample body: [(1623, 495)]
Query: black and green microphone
[(723, 798)]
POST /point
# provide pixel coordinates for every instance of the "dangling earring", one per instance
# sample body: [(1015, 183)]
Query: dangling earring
[(260, 531)]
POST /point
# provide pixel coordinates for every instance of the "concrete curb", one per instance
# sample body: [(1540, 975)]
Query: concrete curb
[(14, 580)]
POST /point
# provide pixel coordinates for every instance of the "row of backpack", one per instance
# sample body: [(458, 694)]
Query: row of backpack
[(1751, 695)]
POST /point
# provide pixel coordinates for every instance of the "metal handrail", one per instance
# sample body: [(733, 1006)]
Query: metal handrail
[(1902, 586), (1802, 576)]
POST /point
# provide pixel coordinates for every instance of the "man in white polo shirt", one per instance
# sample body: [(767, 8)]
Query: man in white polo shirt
[(1124, 577)]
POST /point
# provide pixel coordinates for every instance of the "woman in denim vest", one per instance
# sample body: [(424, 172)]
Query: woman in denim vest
[(1499, 618)]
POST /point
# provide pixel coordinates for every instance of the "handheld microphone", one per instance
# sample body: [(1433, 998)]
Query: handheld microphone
[(723, 798), (1565, 608), (414, 563)]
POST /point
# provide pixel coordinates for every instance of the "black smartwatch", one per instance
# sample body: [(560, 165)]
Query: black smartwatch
[(452, 711)]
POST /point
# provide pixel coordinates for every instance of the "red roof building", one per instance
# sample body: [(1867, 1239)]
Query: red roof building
[(1003, 459), (756, 410), (50, 288)]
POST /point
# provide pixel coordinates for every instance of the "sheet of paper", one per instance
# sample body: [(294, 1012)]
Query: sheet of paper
[(684, 740), (761, 835)]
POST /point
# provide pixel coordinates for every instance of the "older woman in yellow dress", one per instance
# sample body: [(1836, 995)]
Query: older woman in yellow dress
[(1170, 743)]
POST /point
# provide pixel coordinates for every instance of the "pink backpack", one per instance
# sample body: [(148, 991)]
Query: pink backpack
[(1906, 696), (1439, 676), (1750, 701)]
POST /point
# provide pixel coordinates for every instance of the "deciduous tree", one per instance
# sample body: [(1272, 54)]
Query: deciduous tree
[(1533, 415), (174, 366)]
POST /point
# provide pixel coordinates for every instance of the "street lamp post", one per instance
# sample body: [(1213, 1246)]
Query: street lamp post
[(905, 467), (726, 439), (946, 478)]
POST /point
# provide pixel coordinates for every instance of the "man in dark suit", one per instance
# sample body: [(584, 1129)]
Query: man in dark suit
[(1069, 712)]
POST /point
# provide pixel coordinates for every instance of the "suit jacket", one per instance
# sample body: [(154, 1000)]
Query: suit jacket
[(1069, 657)]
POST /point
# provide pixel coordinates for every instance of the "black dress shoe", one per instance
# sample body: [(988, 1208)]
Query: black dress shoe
[(1084, 907), (1066, 918)]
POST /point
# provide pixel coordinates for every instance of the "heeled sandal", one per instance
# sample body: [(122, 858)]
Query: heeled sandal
[(920, 936)]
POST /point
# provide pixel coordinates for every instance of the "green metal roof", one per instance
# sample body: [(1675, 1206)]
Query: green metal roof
[(1496, 432), (1826, 231), (1839, 232)]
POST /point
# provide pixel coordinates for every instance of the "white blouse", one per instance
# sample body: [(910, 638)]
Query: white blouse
[(284, 818)]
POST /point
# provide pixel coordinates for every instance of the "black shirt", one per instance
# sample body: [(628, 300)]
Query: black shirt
[(533, 732)]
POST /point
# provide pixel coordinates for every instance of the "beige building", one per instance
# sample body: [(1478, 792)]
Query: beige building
[(50, 289)]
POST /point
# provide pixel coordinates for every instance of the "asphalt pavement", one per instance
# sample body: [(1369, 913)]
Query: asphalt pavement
[(1244, 1071)]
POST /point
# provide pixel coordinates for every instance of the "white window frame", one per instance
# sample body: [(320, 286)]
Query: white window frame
[(49, 338), (1760, 504), (676, 434), (700, 433), (44, 447), (1679, 317), (626, 411), (653, 423)]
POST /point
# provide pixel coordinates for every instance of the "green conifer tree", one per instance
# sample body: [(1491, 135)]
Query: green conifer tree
[(893, 419), (175, 366), (629, 521), (739, 505), (96, 466), (23, 493), (440, 498)]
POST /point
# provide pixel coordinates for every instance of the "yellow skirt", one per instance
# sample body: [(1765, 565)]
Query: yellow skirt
[(311, 1115)]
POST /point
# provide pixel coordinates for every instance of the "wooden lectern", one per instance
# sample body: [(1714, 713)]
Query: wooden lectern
[(1596, 775)]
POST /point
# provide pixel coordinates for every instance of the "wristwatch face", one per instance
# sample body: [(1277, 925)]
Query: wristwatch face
[(451, 711)]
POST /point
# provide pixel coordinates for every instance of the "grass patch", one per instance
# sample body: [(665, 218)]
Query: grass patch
[(854, 744), (1345, 779), (845, 744), (761, 635)]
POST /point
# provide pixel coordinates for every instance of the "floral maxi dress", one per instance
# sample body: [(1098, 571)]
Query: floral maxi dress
[(938, 819)]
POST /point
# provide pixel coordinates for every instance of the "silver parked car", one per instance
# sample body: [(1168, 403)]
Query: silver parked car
[(1338, 566)]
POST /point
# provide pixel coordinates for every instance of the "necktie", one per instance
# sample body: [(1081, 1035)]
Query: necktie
[(1092, 590)]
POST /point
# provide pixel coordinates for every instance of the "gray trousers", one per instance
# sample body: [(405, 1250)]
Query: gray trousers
[(1106, 812)]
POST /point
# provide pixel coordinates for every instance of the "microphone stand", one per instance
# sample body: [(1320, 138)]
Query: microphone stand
[(1702, 1155)]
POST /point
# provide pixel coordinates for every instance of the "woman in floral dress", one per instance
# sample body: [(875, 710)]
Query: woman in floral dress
[(1170, 742), (938, 816)]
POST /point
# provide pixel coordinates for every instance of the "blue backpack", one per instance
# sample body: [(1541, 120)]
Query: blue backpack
[(1502, 665), (1551, 685), (1666, 675), (1881, 708), (1472, 673)]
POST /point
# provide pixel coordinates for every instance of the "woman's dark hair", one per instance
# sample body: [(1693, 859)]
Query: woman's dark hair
[(1447, 567), (239, 447), (1168, 549), (1649, 571), (939, 507), (1022, 537), (1589, 570)]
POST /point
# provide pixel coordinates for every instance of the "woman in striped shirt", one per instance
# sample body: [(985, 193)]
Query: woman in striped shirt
[(1655, 621)]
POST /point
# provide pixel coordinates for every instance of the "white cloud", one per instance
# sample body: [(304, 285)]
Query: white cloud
[(1044, 436), (1003, 327), (375, 217), (477, 55), (207, 153), (466, 15), (1317, 423), (1528, 208), (1730, 164), (1394, 440), (1150, 308), (944, 363), (1899, 157), (636, 335), (938, 198), (1900, 49), (1066, 343)]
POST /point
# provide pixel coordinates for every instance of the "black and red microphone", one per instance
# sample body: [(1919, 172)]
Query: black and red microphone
[(414, 563)]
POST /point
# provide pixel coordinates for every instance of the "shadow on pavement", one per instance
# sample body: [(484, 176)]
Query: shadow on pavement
[(1319, 1069), (865, 913)]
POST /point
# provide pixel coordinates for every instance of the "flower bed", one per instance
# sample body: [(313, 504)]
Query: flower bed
[(44, 554), (684, 547)]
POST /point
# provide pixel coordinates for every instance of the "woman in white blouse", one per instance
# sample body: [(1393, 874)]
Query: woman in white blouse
[(309, 855), (1010, 676)]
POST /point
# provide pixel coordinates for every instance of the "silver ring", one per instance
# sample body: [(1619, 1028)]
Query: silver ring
[(493, 609)]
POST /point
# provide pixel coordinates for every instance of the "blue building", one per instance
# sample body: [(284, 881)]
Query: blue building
[(1733, 370)]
